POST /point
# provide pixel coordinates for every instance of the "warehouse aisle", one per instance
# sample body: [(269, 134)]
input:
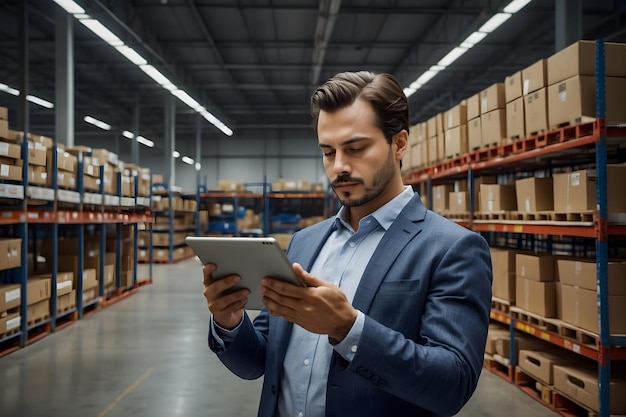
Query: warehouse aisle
[(147, 356)]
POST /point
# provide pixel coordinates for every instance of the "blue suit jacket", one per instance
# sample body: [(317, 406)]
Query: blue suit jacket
[(426, 296)]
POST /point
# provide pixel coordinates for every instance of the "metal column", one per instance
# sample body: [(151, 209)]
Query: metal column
[(64, 78), (567, 22)]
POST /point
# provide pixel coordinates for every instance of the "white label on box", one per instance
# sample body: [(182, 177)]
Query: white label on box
[(4, 170), (450, 120), (490, 205), (575, 179), (61, 285), (459, 200), (526, 86), (577, 267), (563, 96), (483, 105), (527, 204), (14, 323), (4, 148), (12, 295)]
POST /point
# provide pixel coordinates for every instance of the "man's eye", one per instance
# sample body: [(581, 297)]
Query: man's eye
[(354, 150), (328, 153)]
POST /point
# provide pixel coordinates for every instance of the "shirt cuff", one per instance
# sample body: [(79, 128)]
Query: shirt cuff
[(348, 346), (223, 336)]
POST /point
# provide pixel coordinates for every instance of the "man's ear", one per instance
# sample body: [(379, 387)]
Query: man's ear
[(400, 144)]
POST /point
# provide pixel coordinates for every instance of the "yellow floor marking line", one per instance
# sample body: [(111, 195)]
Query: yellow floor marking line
[(126, 392)]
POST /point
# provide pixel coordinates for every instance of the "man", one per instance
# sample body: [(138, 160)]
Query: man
[(395, 316)]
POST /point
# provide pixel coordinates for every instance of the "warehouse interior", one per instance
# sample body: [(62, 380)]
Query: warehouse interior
[(173, 118)]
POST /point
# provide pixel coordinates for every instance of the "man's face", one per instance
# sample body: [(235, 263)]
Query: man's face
[(359, 161)]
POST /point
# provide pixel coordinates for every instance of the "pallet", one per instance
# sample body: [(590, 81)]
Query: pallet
[(582, 336), (551, 325), (535, 388), (519, 215), (500, 305), (497, 367), (38, 320), (582, 216), (492, 215)]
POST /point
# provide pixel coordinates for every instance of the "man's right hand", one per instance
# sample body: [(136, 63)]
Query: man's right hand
[(227, 307)]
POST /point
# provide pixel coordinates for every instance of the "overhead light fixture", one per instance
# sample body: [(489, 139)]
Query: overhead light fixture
[(176, 154), (198, 166), (473, 39), (186, 98), (128, 134), (131, 55), (97, 123), (40, 101), (101, 31), (70, 6), (495, 22), (515, 6), (9, 90), (452, 56), (158, 77), (187, 160), (144, 141)]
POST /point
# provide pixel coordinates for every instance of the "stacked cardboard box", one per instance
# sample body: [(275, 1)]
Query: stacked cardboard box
[(474, 126), (10, 301), (495, 198), (534, 195), (38, 299), (441, 197), (515, 115), (417, 154), (535, 101), (455, 133), (436, 143), (535, 286), (110, 166), (493, 115), (503, 268), (11, 162)]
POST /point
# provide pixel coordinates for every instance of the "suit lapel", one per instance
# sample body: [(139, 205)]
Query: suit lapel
[(406, 226)]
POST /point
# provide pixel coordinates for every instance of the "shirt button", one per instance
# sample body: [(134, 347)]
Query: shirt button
[(353, 348), (300, 414), (368, 222), (352, 244), (306, 362)]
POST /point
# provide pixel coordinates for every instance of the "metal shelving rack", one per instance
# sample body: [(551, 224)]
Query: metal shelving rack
[(527, 153)]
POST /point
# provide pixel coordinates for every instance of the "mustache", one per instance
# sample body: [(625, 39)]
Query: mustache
[(346, 178)]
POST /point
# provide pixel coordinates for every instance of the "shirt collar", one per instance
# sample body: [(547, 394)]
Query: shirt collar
[(384, 216)]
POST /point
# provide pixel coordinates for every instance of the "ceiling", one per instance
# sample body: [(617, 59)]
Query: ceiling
[(254, 63)]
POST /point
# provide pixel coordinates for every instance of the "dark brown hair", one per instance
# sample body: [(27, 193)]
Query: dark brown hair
[(382, 91)]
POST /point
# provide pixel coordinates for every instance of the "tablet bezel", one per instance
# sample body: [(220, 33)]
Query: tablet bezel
[(265, 256)]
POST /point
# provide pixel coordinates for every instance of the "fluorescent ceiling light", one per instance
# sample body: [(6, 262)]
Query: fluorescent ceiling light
[(145, 141), (409, 91), (198, 166), (473, 39), (515, 6), (175, 154), (9, 90), (128, 134), (102, 32), (70, 6), (131, 55), (158, 77), (187, 160), (186, 98), (40, 101), (452, 56), (495, 22), (98, 123)]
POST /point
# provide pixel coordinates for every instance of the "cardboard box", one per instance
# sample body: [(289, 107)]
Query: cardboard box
[(485, 179), (456, 116), (65, 180), (576, 191), (441, 146), (10, 322), (459, 202), (538, 267), (503, 267), (474, 134), (579, 59), (494, 333), (37, 289), (540, 363), (456, 141), (536, 112), (441, 196), (10, 150), (414, 154), (89, 279), (522, 342), (65, 160), (493, 125), (534, 77), (536, 297), (534, 194), (38, 311), (583, 273), (105, 156), (492, 98), (497, 197), (10, 296), (37, 154), (11, 172), (573, 100), (473, 106), (515, 119), (580, 382), (4, 129), (37, 175), (10, 253), (4, 113), (433, 150), (435, 125), (66, 301), (579, 307), (513, 87)]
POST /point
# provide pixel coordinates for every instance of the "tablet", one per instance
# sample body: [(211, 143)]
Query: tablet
[(252, 258)]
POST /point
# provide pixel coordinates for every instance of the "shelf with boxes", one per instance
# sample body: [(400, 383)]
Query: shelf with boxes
[(50, 196), (175, 217), (235, 208), (551, 201)]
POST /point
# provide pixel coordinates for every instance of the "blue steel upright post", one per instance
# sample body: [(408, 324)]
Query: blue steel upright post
[(604, 360)]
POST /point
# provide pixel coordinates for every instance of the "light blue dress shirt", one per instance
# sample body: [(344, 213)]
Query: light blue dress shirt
[(341, 261)]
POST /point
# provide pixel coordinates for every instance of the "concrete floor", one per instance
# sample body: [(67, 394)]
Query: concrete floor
[(147, 355)]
